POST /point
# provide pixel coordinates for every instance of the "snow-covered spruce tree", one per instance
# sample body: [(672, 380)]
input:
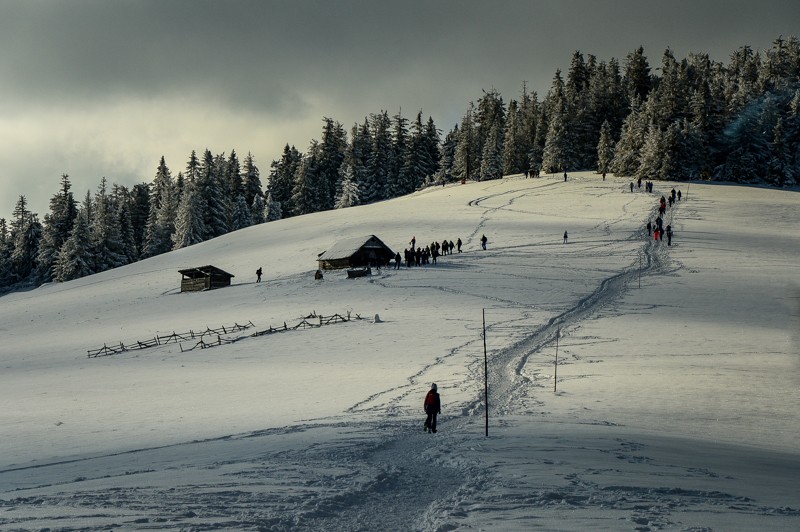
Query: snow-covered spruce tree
[(56, 230), (636, 80), (331, 155), (374, 186), (627, 150), (492, 158), (105, 232), (466, 163), (306, 182), (5, 254), (252, 188), (211, 190), (555, 156), (25, 235), (431, 141), (140, 209), (348, 195), (121, 202), (189, 226), (581, 125), (241, 214), (490, 120), (281, 181), (605, 148), (233, 185), (446, 160), (257, 210), (163, 209), (398, 181), (272, 208), (75, 256), (512, 161)]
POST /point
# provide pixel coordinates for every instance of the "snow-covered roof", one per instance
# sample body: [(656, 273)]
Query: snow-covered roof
[(347, 247)]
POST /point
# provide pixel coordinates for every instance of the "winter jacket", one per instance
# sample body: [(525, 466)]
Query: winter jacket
[(432, 404)]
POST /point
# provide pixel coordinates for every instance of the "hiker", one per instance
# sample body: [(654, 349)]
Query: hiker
[(483, 241), (565, 237), (604, 176), (649, 228), (679, 195), (565, 176), (318, 275), (669, 235), (397, 261), (433, 408), (458, 244), (258, 274), (631, 186), (413, 242), (450, 247)]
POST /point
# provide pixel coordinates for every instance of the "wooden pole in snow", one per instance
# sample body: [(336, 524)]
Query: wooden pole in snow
[(555, 366), (485, 375)]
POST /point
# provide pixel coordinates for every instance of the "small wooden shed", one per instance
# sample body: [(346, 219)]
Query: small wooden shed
[(204, 278), (356, 252)]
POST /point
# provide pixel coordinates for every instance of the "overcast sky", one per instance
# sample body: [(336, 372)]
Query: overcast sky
[(97, 88)]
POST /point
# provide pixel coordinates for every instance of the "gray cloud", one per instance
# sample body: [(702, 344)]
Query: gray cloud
[(253, 75)]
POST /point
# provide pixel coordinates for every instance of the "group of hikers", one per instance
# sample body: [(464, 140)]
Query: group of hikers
[(658, 230), (419, 256)]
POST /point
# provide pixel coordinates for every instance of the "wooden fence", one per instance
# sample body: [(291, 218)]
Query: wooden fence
[(166, 339), (313, 320)]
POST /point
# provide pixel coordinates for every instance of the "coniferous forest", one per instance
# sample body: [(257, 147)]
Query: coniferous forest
[(678, 119)]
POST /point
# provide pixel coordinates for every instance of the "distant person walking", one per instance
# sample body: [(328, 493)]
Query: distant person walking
[(458, 245), (483, 241), (258, 274), (433, 408), (669, 235), (397, 261), (566, 235)]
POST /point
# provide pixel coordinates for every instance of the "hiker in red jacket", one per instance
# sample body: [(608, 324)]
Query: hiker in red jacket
[(432, 408)]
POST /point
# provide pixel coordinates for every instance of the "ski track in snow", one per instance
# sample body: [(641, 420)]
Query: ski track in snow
[(344, 473)]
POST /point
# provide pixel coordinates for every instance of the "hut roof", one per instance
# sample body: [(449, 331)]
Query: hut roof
[(346, 248), (203, 271)]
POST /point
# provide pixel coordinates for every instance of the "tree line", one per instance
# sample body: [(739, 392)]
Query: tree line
[(694, 119)]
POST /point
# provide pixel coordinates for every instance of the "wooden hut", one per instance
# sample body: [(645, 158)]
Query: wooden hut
[(358, 252), (204, 278)]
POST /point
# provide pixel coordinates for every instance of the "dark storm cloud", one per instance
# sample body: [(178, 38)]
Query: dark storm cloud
[(260, 54)]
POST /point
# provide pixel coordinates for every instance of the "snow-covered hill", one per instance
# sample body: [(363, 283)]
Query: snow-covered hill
[(675, 405)]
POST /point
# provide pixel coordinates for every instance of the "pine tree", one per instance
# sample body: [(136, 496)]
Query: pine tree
[(272, 208), (25, 234), (305, 196), (163, 210), (556, 145), (140, 209), (348, 195), (466, 163), (211, 190), (492, 157), (242, 217), (75, 256), (281, 180), (374, 187), (605, 148), (105, 233), (189, 225), (5, 254), (252, 187), (56, 230)]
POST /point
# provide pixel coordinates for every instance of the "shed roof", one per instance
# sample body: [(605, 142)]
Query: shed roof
[(204, 270), (347, 247)]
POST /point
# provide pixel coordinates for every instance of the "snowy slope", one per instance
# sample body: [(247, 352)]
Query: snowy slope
[(675, 406)]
